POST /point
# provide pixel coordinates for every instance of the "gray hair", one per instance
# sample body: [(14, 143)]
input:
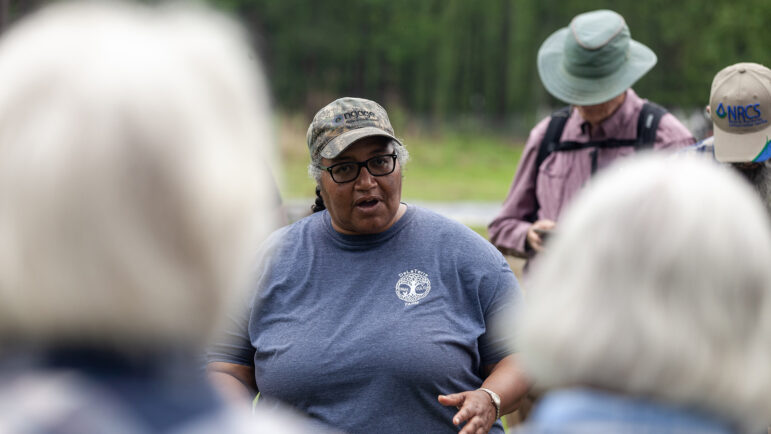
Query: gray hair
[(133, 147), (657, 284), (402, 155)]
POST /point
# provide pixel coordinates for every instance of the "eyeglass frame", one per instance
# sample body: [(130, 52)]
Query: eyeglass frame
[(359, 165)]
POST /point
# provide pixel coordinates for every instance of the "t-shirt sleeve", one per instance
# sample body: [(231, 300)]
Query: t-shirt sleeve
[(233, 344), (500, 295)]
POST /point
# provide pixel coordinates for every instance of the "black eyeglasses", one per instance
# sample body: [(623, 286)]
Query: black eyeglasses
[(380, 165)]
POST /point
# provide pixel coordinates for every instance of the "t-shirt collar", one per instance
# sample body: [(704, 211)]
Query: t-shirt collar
[(369, 240)]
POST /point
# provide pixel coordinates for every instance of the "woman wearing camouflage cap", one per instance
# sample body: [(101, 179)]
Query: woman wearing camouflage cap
[(372, 307)]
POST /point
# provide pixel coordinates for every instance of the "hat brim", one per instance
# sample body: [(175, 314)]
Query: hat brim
[(343, 141), (589, 91), (742, 148)]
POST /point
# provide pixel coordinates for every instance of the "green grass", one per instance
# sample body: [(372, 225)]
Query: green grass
[(297, 184), (459, 167), (481, 230), (448, 167)]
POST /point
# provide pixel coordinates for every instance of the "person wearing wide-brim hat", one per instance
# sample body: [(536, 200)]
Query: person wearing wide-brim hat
[(591, 65)]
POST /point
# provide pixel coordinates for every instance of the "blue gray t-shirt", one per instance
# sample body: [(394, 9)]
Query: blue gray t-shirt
[(363, 332)]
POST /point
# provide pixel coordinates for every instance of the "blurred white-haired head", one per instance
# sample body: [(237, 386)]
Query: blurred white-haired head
[(134, 148), (658, 284)]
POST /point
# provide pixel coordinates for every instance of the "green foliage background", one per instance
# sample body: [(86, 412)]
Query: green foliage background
[(440, 59), (459, 77), (443, 60)]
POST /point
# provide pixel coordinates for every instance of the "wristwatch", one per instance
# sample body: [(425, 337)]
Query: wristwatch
[(495, 399)]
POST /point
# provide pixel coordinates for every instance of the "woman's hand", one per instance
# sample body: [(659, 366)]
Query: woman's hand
[(475, 408)]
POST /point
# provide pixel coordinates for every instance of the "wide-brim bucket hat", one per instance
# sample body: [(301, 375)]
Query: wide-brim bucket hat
[(593, 60)]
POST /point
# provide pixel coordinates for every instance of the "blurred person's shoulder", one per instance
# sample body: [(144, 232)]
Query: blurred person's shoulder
[(614, 427), (585, 411), (62, 401), (259, 421), (52, 401)]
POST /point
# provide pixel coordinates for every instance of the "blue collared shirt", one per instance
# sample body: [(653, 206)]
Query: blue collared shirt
[(583, 410)]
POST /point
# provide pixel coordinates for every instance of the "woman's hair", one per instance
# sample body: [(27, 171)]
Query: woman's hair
[(657, 284), (402, 155), (134, 142), (318, 204)]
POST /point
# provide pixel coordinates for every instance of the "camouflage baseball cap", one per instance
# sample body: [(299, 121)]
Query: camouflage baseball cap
[(344, 121)]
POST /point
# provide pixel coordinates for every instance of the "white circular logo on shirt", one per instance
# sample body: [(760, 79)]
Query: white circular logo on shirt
[(412, 286)]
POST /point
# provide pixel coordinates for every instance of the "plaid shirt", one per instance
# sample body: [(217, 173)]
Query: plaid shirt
[(543, 192)]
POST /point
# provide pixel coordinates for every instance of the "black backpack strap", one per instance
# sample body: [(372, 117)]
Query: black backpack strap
[(550, 142), (551, 139), (607, 143), (648, 124)]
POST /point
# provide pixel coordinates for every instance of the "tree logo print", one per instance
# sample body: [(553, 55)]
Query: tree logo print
[(412, 286)]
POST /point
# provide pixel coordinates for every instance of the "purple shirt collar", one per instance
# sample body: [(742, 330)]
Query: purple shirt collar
[(622, 124)]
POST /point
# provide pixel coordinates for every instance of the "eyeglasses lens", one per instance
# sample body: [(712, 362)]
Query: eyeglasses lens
[(377, 166)]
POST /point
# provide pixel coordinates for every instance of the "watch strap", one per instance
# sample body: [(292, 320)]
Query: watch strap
[(495, 399)]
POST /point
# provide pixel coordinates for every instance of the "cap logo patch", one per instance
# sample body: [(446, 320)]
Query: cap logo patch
[(359, 114), (720, 112), (741, 115)]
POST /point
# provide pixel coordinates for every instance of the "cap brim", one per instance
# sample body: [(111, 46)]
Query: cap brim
[(742, 148), (343, 141), (589, 91)]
